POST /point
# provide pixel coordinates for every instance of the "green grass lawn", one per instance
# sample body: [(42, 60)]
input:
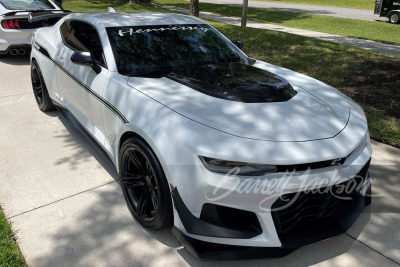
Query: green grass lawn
[(371, 79), (377, 31), (361, 4), (9, 253)]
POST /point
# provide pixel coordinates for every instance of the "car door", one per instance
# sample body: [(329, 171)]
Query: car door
[(80, 86)]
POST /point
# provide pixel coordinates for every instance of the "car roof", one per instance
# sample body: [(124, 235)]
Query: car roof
[(109, 19)]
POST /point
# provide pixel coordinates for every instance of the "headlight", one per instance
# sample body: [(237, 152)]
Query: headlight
[(248, 169)]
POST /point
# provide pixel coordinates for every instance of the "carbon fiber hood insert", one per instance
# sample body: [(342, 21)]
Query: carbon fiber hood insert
[(236, 82)]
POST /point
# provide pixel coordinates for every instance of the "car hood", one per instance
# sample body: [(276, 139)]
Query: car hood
[(251, 102)]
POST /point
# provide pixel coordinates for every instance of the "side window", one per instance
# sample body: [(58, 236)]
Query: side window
[(64, 29), (83, 37)]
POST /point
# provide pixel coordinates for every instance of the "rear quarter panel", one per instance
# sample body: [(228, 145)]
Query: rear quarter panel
[(46, 38)]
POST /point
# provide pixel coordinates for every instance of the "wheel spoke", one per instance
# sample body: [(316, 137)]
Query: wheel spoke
[(135, 160), (128, 183), (37, 90), (154, 200), (132, 180), (142, 204), (35, 76), (150, 173), (149, 169)]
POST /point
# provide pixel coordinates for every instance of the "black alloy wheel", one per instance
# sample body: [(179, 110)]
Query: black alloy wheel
[(144, 185), (39, 88)]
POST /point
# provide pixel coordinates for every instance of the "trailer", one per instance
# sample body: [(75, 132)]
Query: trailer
[(389, 9)]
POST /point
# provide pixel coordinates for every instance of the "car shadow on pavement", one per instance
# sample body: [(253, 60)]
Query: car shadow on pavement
[(52, 113), (16, 60), (83, 144), (101, 232)]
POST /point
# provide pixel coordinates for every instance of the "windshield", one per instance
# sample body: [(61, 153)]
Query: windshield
[(144, 49), (26, 4)]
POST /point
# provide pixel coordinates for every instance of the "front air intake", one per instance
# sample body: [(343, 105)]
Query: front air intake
[(236, 219)]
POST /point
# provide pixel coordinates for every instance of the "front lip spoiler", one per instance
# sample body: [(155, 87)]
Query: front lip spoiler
[(208, 251), (213, 251)]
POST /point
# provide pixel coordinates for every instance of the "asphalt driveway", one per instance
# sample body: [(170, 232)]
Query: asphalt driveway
[(67, 208)]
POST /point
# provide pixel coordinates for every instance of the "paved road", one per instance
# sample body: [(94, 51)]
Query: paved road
[(67, 208), (350, 13)]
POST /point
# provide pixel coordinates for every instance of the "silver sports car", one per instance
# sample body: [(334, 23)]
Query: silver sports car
[(243, 158)]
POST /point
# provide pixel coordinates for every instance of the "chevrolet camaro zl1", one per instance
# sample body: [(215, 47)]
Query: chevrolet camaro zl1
[(243, 158), (19, 18)]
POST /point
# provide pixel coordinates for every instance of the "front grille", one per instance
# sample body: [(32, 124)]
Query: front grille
[(311, 166), (305, 209)]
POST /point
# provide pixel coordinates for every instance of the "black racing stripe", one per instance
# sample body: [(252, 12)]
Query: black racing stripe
[(43, 51)]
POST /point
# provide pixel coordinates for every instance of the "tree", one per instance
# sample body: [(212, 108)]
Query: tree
[(244, 13), (194, 8)]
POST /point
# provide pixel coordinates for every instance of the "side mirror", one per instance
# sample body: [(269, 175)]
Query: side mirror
[(238, 43), (85, 58)]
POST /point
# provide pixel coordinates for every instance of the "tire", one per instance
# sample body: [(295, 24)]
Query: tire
[(394, 18), (144, 185), (39, 88)]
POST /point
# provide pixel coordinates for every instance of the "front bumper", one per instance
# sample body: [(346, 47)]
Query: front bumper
[(337, 220), (210, 239)]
